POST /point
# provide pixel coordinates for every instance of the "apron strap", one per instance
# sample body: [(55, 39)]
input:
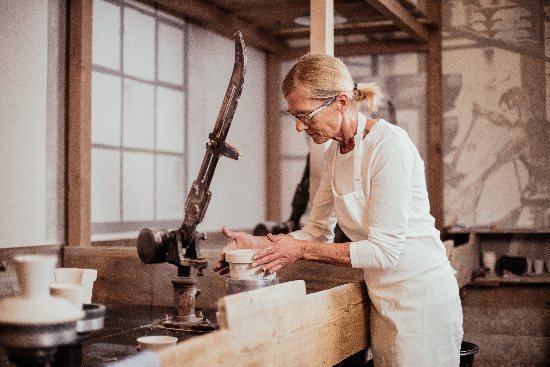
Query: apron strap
[(358, 152)]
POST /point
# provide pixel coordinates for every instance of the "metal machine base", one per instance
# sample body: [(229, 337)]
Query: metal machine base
[(184, 318)]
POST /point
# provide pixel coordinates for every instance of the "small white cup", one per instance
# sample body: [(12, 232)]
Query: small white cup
[(539, 266), (156, 342), (35, 274), (490, 261), (68, 275), (86, 277), (73, 293)]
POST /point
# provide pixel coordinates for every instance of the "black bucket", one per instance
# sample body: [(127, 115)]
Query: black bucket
[(467, 351)]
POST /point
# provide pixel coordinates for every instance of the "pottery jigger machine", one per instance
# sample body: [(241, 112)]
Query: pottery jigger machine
[(181, 246)]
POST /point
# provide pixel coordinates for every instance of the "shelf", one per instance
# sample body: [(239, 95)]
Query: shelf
[(512, 279), (489, 230)]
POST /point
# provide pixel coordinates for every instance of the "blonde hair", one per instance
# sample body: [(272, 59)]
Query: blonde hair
[(327, 76)]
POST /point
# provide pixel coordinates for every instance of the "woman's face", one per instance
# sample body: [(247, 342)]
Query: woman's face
[(325, 124)]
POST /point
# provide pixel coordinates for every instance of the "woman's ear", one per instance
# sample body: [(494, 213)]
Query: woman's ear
[(342, 102)]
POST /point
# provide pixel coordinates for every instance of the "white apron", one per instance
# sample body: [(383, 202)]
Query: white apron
[(416, 315)]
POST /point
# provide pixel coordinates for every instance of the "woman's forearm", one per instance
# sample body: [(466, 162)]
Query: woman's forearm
[(328, 253)]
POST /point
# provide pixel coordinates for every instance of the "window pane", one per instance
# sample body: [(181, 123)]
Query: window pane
[(169, 120), (105, 185), (139, 125), (170, 54), (139, 44), (170, 195), (138, 186), (106, 99), (106, 35)]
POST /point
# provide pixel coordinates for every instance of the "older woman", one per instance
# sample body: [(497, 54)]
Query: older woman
[(373, 185)]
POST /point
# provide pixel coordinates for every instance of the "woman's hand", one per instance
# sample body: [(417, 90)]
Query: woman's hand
[(285, 250), (240, 240)]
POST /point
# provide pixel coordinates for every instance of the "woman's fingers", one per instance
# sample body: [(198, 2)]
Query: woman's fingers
[(275, 238), (227, 233)]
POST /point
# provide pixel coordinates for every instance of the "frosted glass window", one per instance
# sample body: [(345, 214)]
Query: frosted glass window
[(139, 44), (138, 186), (170, 194), (138, 115), (170, 120), (106, 35), (106, 102), (170, 54), (105, 185), (138, 118)]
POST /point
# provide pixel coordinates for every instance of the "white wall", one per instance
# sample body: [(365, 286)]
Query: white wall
[(31, 115), (32, 199), (238, 187)]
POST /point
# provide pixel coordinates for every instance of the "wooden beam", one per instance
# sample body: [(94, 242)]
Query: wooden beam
[(396, 12), (273, 146), (435, 117), (322, 26), (79, 124), (218, 21), (281, 326), (363, 48), (321, 40)]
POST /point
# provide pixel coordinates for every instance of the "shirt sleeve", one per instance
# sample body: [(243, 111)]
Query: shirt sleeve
[(322, 219), (388, 204)]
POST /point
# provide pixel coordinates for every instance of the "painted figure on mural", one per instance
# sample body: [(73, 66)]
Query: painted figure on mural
[(496, 160)]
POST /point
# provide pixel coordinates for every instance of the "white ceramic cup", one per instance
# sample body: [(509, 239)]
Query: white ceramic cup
[(156, 342), (86, 277), (68, 275), (240, 265), (35, 274), (539, 266), (490, 260), (73, 293)]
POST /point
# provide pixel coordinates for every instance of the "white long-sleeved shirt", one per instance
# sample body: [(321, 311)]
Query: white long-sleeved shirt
[(395, 189)]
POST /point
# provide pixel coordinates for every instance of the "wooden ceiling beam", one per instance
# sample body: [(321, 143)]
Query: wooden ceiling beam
[(364, 28), (363, 48), (396, 12), (218, 21)]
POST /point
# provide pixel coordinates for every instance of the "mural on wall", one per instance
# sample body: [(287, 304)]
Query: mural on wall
[(496, 63)]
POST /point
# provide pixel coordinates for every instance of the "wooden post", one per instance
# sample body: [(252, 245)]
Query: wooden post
[(435, 116), (321, 40), (273, 142), (79, 124)]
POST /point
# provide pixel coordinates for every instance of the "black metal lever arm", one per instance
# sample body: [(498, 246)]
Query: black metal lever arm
[(154, 245)]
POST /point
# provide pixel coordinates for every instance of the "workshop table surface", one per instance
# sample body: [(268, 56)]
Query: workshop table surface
[(123, 325)]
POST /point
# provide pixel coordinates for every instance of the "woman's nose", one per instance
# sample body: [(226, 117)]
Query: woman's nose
[(300, 126)]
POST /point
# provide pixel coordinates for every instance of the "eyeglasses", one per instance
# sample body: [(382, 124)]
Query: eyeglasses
[(306, 119)]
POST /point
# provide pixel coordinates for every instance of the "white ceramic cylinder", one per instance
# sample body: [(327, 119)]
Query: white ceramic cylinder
[(68, 275), (240, 265), (539, 266), (35, 274), (74, 293), (86, 277), (156, 342), (490, 260)]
